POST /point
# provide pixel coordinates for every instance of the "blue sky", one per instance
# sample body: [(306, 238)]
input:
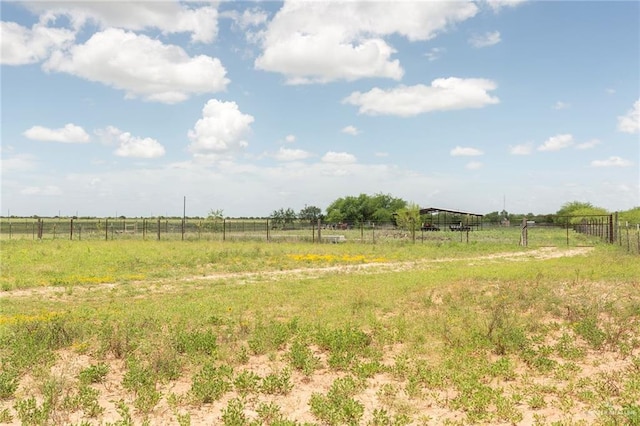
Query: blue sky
[(127, 107)]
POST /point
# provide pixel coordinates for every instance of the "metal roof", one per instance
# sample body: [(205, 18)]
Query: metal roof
[(438, 210)]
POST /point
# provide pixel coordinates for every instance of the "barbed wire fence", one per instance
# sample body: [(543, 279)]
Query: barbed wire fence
[(607, 229)]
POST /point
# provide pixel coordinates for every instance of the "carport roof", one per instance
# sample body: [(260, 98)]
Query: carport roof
[(438, 210)]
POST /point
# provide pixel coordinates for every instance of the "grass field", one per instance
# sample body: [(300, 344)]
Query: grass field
[(239, 333)]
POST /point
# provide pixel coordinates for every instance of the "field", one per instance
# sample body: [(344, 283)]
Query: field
[(434, 332)]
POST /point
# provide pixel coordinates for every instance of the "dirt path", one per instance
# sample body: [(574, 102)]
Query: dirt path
[(375, 267)]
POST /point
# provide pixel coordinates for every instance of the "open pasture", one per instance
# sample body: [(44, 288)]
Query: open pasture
[(400, 333)]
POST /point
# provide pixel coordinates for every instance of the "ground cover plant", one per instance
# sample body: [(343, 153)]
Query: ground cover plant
[(284, 334)]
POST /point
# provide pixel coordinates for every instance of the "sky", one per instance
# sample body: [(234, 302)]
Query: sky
[(131, 108)]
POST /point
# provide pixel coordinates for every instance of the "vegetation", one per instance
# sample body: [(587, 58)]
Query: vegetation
[(440, 332), (364, 208)]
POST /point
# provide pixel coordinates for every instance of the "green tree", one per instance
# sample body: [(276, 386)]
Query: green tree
[(408, 218), (214, 219), (578, 211), (310, 213), (283, 217), (364, 208)]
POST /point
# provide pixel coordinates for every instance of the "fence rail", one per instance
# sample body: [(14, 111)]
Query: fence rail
[(588, 232)]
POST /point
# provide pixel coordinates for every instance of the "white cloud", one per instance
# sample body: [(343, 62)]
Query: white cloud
[(290, 139), (338, 157), (498, 5), (485, 40), (47, 190), (465, 151), (473, 165), (20, 45), (285, 154), (350, 130), (167, 16), (70, 133), (522, 149), (17, 163), (131, 146), (248, 18), (561, 105), (556, 143), (141, 66), (612, 162), (434, 53), (221, 130), (630, 122), (444, 94), (311, 42), (589, 144)]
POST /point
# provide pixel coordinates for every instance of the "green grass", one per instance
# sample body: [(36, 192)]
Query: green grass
[(489, 340)]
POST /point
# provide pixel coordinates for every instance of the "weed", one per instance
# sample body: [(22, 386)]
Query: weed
[(195, 342), (5, 416), (302, 359), (277, 383), (183, 419), (210, 383), (125, 415), (269, 337), (246, 382), (338, 406), (8, 383), (269, 413), (588, 329), (95, 373), (233, 414), (30, 413)]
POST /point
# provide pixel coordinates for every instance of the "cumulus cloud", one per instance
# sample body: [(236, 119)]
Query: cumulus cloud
[(141, 66), (131, 146), (465, 151), (311, 42), (166, 16), (18, 163), (338, 158), (611, 162), (630, 122), (221, 130), (70, 133), (434, 53), (521, 149), (350, 130), (556, 143), (498, 5), (285, 154), (561, 105), (444, 94), (253, 17), (290, 139), (485, 40), (589, 144), (20, 45), (47, 190)]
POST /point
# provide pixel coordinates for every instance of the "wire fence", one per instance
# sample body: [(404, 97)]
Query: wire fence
[(591, 232)]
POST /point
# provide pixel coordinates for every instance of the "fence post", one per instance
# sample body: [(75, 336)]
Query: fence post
[(523, 233), (224, 229), (158, 229), (567, 231), (319, 232), (71, 229), (267, 229)]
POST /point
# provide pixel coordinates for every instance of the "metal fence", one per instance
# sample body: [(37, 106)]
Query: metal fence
[(589, 232), (264, 229)]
